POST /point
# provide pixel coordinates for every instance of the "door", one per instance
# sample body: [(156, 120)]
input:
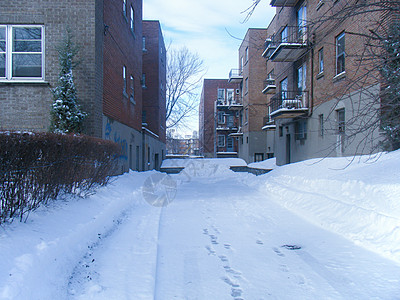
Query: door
[(288, 149), (229, 144)]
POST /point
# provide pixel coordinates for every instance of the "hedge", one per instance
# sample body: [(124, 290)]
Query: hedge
[(36, 168)]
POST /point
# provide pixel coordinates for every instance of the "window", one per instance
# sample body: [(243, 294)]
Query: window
[(230, 95), (3, 51), (132, 20), (284, 35), (132, 96), (301, 23), (281, 131), (221, 117), (341, 121), (143, 80), (258, 157), (301, 130), (221, 94), (246, 85), (124, 79), (246, 53), (284, 89), (221, 141), (301, 78), (321, 60), (321, 124), (21, 52), (246, 115), (340, 54), (124, 8), (144, 44), (144, 117)]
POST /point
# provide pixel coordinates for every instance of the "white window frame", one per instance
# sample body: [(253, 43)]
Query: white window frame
[(132, 19), (341, 54), (124, 8), (132, 95), (9, 54), (321, 61), (124, 80)]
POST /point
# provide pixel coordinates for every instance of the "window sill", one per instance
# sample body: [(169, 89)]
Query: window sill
[(320, 75), (339, 76), (38, 82)]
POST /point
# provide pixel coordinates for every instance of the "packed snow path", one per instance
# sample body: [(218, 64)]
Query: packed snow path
[(223, 239), (219, 235)]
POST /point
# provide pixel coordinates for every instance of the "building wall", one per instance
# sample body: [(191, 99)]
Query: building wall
[(154, 67), (353, 90), (26, 106), (207, 121), (122, 47), (254, 69)]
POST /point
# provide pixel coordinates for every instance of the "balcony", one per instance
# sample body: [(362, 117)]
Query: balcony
[(283, 3), (269, 86), (235, 75), (289, 104), (269, 47), (235, 104), (288, 45)]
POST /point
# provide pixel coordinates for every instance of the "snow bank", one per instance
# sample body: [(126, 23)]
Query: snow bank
[(44, 251), (267, 164), (356, 198)]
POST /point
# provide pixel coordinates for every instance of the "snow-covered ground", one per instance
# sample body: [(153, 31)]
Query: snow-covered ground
[(210, 233)]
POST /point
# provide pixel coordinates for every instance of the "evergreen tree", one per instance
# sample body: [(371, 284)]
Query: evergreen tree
[(67, 115)]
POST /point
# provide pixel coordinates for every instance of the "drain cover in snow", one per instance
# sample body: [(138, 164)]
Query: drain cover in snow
[(291, 247)]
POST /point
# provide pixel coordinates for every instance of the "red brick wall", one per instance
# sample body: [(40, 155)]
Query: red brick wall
[(208, 97), (122, 47), (154, 66)]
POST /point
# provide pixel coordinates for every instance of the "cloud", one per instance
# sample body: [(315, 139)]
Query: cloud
[(203, 26)]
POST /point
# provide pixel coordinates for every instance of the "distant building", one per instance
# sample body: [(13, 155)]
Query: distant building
[(110, 78), (250, 77), (220, 103)]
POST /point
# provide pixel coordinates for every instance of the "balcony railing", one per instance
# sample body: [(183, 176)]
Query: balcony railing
[(230, 103), (235, 75), (283, 3), (269, 86), (288, 104), (287, 45)]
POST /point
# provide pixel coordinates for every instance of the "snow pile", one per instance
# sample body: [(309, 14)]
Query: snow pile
[(267, 164), (205, 167), (48, 247), (358, 199)]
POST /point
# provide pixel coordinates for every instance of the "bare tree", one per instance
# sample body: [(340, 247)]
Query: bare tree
[(184, 74)]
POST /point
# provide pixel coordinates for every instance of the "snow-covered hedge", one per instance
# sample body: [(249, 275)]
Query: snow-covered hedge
[(36, 168)]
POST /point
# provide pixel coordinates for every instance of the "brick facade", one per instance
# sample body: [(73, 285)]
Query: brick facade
[(313, 131), (108, 42), (208, 117), (154, 68)]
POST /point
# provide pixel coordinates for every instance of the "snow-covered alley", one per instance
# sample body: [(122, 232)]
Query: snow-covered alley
[(219, 235)]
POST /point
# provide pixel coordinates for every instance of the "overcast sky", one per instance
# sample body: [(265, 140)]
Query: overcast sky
[(203, 26)]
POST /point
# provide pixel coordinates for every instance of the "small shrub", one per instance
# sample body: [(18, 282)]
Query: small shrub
[(37, 168)]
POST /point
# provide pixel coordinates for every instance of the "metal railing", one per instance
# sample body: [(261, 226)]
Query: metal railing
[(289, 100), (235, 73)]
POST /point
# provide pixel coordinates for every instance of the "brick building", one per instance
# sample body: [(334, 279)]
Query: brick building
[(108, 78), (317, 93), (255, 144), (219, 118)]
